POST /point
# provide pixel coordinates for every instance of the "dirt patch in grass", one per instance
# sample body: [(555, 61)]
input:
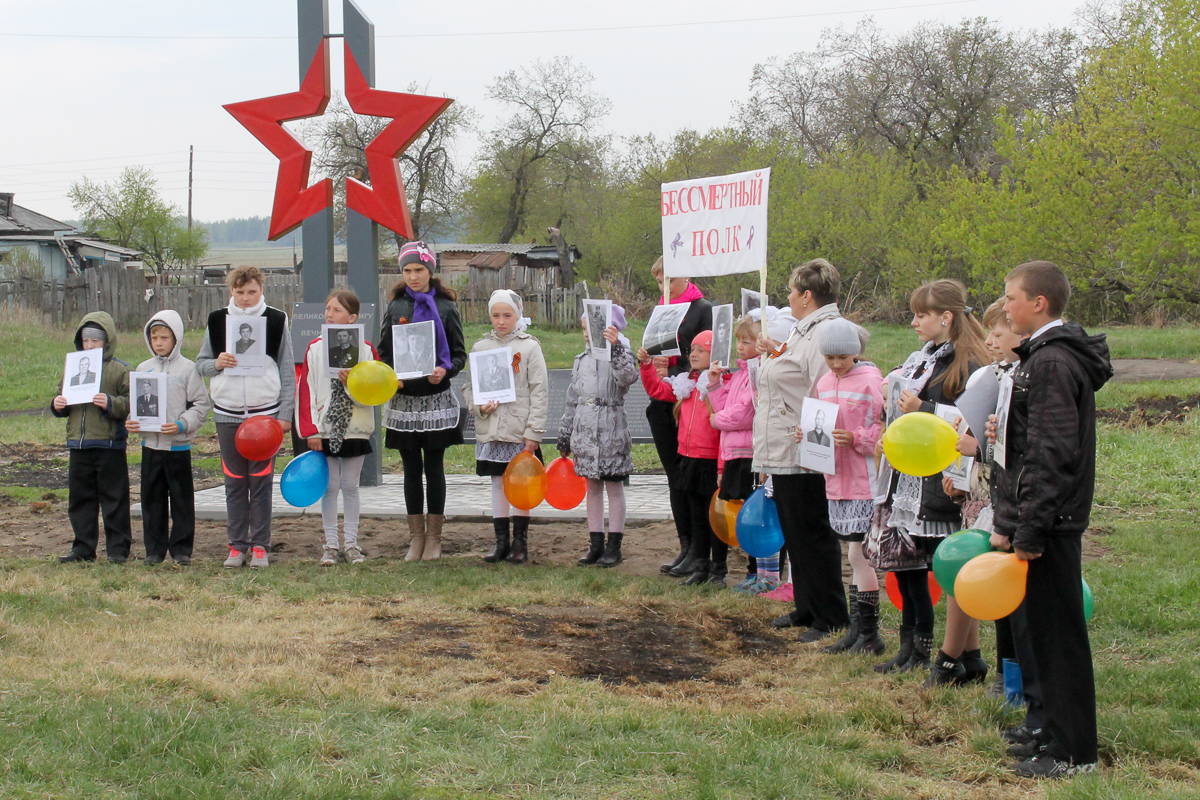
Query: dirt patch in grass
[(615, 646), (1151, 411)]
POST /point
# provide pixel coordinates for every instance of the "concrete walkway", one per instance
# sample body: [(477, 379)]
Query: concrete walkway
[(468, 497)]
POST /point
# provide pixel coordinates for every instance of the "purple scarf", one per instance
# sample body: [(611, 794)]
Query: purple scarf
[(425, 310)]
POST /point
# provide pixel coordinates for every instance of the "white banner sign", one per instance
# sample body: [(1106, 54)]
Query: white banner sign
[(715, 226)]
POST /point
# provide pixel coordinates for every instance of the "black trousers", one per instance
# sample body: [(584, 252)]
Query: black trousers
[(168, 491), (665, 430), (98, 483), (1031, 687), (1058, 638), (695, 521), (814, 549)]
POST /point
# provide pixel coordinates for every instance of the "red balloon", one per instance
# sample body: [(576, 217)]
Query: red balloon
[(564, 488), (893, 590), (259, 438)]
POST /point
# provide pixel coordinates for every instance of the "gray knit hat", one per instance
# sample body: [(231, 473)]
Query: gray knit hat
[(839, 337), (93, 332)]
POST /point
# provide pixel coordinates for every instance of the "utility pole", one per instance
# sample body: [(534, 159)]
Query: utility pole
[(190, 155)]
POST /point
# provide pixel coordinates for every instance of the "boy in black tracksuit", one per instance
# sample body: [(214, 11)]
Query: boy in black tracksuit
[(1042, 500)]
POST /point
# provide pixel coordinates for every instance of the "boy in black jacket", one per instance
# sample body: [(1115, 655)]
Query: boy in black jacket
[(1042, 500)]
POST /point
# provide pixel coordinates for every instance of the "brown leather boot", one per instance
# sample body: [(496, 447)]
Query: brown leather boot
[(416, 531), (433, 537)]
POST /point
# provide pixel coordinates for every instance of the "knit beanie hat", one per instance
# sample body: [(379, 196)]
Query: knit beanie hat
[(158, 323), (93, 332), (704, 340), (839, 337), (618, 317), (417, 253)]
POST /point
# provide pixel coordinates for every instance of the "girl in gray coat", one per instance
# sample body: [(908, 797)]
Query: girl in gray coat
[(595, 431)]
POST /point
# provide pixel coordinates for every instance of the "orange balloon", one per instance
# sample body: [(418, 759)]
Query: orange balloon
[(893, 590), (525, 481), (564, 488), (991, 586), (722, 516)]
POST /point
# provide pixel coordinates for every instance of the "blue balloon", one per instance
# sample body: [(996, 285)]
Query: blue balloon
[(758, 529), (304, 479)]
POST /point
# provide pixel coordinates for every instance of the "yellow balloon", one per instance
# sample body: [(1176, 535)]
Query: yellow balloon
[(991, 586), (371, 383), (920, 444), (524, 481), (722, 517)]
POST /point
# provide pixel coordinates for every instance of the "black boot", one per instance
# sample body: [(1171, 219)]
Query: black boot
[(921, 650), (697, 555), (903, 654), (975, 666), (594, 549), (846, 642), (716, 574), (868, 625), (612, 553), (699, 575), (500, 551), (945, 670), (520, 546), (685, 543)]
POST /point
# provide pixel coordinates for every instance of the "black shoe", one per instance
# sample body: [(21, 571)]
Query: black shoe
[(183, 561), (903, 654), (684, 546), (868, 626), (1021, 734), (699, 575), (996, 690), (813, 635), (945, 670), (921, 649), (612, 553), (846, 642), (1044, 766), (151, 561), (696, 556), (595, 549), (117, 559), (784, 621), (974, 666), (520, 544), (74, 556), (1026, 750), (500, 551)]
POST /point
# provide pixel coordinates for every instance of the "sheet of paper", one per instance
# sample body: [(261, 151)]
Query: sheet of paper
[(414, 349), (342, 345), (999, 452), (148, 400), (818, 418), (81, 376), (598, 315), (492, 376), (246, 339), (978, 400), (960, 470)]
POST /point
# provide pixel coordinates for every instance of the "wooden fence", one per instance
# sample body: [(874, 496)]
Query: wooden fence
[(125, 294)]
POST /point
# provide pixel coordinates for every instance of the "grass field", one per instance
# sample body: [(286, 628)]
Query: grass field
[(454, 680)]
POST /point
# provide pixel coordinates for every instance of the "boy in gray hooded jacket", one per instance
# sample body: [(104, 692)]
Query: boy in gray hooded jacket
[(167, 487)]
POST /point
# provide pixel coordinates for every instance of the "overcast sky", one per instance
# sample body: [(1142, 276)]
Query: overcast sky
[(80, 102)]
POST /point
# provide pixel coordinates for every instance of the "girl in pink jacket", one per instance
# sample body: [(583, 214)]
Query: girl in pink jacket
[(699, 447), (855, 386), (732, 400)]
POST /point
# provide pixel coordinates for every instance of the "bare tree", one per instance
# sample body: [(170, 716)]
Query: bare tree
[(432, 180), (550, 136)]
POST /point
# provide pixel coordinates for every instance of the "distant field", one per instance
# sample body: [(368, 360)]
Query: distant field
[(260, 255)]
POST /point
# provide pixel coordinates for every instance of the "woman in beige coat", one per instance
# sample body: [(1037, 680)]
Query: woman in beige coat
[(502, 430), (788, 374)]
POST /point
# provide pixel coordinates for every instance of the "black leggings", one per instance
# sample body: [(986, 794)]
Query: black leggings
[(918, 604), (430, 462)]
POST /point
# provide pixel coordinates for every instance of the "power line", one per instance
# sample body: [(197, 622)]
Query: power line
[(601, 29)]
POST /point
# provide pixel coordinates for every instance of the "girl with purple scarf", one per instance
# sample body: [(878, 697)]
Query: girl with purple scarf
[(422, 420)]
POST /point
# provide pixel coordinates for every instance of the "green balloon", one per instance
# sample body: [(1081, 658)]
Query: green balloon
[(1089, 602), (954, 552)]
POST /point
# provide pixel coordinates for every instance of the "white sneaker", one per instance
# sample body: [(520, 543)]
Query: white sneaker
[(329, 556), (354, 554), (258, 557), (236, 558)]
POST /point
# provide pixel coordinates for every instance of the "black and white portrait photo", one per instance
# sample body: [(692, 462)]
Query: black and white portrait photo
[(896, 386), (960, 471), (722, 328), (999, 454), (750, 301), (246, 339), (148, 400), (81, 376), (817, 421), (661, 337), (492, 376), (414, 349), (342, 347), (598, 316)]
